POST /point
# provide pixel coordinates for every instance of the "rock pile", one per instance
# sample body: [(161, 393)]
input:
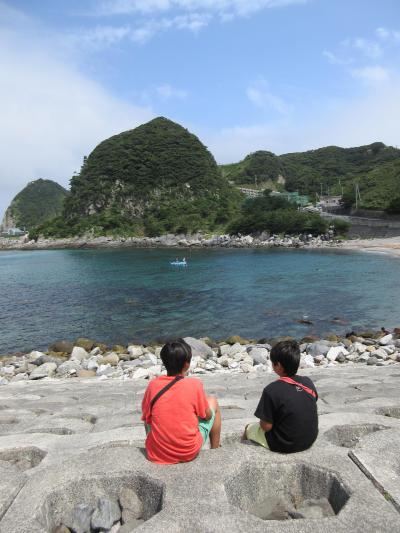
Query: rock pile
[(87, 359), (108, 516), (264, 240)]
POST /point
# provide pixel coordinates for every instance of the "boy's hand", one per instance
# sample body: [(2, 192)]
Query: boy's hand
[(208, 414), (265, 426)]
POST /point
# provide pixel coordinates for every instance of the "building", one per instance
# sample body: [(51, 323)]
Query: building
[(15, 232), (294, 197), (251, 193)]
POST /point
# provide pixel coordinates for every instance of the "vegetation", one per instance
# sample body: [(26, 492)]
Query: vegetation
[(156, 178), (276, 215), (38, 202), (375, 167)]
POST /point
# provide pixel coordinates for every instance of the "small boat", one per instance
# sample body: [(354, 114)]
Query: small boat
[(182, 263)]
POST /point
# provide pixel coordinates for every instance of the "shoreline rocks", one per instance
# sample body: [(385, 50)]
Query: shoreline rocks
[(199, 240), (208, 357)]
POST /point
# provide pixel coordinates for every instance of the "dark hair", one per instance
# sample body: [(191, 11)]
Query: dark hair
[(174, 355), (287, 353)]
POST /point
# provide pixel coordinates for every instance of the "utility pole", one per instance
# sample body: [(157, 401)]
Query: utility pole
[(357, 193)]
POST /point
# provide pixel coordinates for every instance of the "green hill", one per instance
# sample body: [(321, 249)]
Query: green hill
[(38, 202), (375, 167), (154, 179)]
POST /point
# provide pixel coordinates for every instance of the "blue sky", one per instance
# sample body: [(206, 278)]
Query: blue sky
[(281, 75)]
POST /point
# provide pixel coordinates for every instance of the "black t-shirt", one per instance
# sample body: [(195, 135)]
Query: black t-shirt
[(293, 414)]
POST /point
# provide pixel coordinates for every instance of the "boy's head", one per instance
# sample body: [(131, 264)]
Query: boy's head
[(176, 356), (287, 353)]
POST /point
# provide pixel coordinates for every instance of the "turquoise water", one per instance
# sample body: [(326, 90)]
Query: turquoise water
[(119, 296)]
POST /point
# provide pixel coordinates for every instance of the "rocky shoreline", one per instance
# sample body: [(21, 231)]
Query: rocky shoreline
[(265, 240), (85, 358)]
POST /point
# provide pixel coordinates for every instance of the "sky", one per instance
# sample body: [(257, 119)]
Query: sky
[(243, 75)]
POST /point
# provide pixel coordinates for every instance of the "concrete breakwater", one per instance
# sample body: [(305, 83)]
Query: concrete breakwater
[(87, 359), (264, 240)]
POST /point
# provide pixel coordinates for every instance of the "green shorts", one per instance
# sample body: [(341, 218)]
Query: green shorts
[(255, 433), (204, 426)]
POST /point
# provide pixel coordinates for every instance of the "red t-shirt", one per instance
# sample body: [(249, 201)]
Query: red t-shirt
[(174, 436)]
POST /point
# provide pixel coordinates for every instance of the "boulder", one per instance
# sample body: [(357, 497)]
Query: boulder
[(62, 347), (109, 359), (69, 367), (372, 361), (135, 351), (3, 381), (79, 518), (380, 353), (131, 505), (79, 354), (234, 339), (387, 339), (118, 348), (105, 515), (87, 344), (317, 348), (141, 373), (334, 351), (260, 356), (43, 371), (82, 373), (307, 361), (199, 348)]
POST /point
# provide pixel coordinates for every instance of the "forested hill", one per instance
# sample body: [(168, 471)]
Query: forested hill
[(38, 202), (154, 179), (375, 167)]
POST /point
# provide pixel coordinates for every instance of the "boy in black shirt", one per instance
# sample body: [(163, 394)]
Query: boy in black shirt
[(288, 407)]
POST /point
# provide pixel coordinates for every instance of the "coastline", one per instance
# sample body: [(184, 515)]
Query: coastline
[(389, 245)]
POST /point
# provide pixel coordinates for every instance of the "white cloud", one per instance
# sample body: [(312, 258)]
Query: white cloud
[(51, 114), (370, 117), (167, 92), (371, 49), (386, 34), (260, 95), (237, 7), (97, 37), (372, 74), (335, 59)]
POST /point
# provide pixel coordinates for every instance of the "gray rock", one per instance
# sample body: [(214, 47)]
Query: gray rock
[(260, 356), (43, 371), (387, 339), (130, 526), (317, 348), (69, 367), (372, 361), (79, 518), (199, 348), (135, 351), (62, 346), (380, 353), (3, 381), (131, 505), (79, 354), (105, 515)]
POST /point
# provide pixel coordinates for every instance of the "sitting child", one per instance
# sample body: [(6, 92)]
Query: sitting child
[(288, 407), (178, 416)]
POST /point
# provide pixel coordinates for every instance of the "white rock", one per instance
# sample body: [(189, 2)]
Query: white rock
[(141, 373), (210, 365), (380, 353), (247, 367), (91, 363), (307, 361), (152, 358), (79, 354), (236, 348), (7, 370), (199, 348), (3, 381), (35, 355), (224, 360), (199, 370), (135, 351), (335, 351), (68, 367), (224, 349), (233, 364), (95, 351), (387, 339), (43, 371)]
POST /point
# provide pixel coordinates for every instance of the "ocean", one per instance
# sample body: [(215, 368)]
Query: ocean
[(135, 295)]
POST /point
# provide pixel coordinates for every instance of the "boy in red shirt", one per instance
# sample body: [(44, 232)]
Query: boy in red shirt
[(178, 416)]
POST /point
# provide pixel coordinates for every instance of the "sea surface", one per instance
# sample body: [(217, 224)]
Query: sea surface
[(121, 296)]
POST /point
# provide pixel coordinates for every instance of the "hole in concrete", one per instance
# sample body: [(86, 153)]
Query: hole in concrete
[(7, 420), (54, 431), (231, 407), (284, 492), (133, 499), (348, 436), (23, 458), (391, 412)]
